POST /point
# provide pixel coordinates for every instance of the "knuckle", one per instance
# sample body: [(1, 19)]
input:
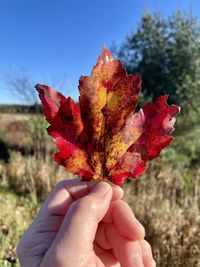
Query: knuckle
[(146, 245)]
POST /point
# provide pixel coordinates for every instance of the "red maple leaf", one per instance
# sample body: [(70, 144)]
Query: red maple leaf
[(103, 138)]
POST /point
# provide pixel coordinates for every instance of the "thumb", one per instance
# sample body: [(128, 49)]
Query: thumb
[(79, 226)]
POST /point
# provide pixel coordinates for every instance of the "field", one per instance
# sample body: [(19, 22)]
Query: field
[(166, 199)]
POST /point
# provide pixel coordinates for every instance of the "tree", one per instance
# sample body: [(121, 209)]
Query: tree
[(20, 84), (166, 52)]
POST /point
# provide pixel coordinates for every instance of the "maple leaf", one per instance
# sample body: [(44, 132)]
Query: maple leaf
[(103, 138)]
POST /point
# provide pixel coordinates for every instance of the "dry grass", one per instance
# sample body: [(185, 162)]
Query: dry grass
[(15, 216), (31, 177), (4, 117), (170, 212), (166, 200), (167, 205), (24, 183)]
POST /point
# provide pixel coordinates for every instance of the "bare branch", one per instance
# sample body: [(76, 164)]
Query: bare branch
[(21, 85)]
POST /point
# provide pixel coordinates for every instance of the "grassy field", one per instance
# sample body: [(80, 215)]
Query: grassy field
[(166, 199), (15, 215)]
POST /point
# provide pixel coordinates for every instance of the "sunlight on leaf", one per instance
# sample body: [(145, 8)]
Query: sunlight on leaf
[(103, 138)]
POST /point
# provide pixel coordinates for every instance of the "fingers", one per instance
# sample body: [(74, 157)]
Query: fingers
[(68, 191), (147, 254), (130, 253), (121, 215), (107, 259), (80, 224), (87, 212), (59, 200)]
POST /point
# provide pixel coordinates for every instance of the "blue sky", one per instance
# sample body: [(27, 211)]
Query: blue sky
[(49, 39)]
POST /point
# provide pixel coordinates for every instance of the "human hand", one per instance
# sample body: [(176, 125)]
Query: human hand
[(85, 224)]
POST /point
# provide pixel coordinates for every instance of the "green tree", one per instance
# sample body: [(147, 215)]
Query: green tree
[(166, 52)]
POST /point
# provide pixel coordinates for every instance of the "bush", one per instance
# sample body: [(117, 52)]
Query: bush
[(37, 127)]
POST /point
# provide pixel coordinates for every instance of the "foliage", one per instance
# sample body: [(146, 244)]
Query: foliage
[(37, 126), (103, 138), (25, 109), (165, 51)]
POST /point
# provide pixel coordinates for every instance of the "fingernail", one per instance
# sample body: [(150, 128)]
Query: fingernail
[(119, 189), (101, 189), (137, 260), (116, 187)]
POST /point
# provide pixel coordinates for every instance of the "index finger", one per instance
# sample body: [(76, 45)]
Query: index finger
[(67, 191)]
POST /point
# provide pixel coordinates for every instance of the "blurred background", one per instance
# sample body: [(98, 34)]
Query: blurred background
[(54, 42)]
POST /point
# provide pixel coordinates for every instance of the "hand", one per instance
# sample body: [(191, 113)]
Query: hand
[(85, 224)]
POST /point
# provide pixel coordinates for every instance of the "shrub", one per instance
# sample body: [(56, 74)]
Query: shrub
[(37, 127)]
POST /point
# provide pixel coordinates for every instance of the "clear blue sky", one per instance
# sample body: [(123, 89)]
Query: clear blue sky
[(51, 38)]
